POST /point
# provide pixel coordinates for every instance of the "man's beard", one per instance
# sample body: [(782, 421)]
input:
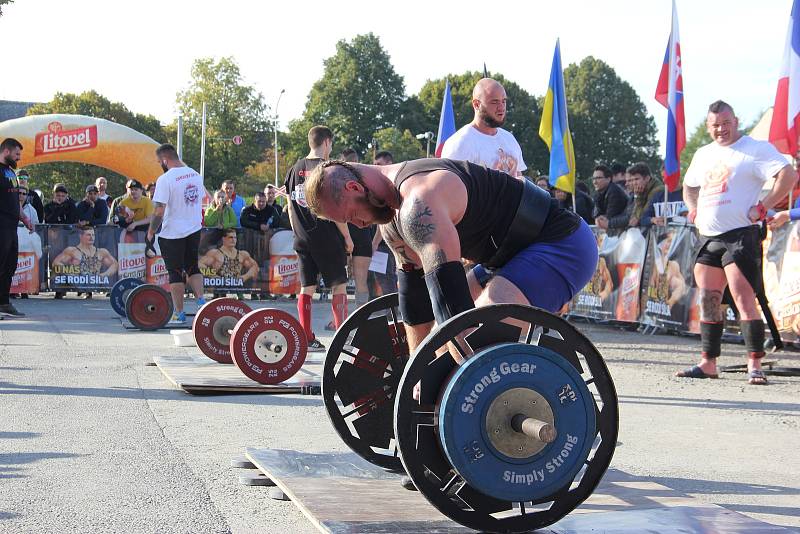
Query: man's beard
[(490, 121), (11, 163)]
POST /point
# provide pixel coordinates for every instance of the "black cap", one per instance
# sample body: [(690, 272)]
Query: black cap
[(92, 187), (134, 183), (60, 188)]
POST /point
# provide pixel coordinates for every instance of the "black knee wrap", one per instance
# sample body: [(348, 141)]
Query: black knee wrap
[(415, 304), (753, 334), (448, 290), (711, 339)]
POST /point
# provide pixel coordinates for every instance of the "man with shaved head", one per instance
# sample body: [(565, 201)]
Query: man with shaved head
[(483, 141)]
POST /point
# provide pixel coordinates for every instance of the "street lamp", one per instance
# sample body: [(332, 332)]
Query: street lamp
[(275, 145), (429, 137)]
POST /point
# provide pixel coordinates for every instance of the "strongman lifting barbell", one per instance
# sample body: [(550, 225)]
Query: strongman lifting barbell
[(511, 440), (267, 345)]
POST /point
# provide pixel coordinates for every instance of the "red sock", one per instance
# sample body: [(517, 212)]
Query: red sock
[(304, 314), (339, 307)]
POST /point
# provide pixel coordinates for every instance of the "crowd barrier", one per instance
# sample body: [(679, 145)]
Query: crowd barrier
[(70, 258), (639, 279), (649, 280)]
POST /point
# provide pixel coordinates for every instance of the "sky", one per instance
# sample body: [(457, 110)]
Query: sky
[(140, 53)]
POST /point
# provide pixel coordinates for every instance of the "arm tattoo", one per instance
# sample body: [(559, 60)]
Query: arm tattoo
[(418, 224), (396, 243), (156, 221), (710, 309)]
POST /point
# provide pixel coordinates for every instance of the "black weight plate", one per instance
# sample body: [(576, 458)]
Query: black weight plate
[(119, 292), (416, 424), (361, 373)]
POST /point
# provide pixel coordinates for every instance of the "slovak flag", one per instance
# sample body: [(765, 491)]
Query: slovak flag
[(447, 121), (669, 93), (785, 126)]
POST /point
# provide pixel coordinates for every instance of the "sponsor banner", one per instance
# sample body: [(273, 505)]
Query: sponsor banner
[(82, 258), (31, 264), (234, 260), (284, 276), (613, 292), (667, 283), (782, 279)]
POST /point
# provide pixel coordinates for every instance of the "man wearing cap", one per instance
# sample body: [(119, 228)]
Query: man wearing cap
[(61, 210), (134, 210), (92, 210)]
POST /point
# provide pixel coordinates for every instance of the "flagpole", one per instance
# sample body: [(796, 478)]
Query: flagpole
[(664, 210)]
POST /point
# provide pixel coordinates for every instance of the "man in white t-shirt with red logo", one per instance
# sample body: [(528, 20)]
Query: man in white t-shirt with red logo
[(482, 141), (721, 190), (179, 212)]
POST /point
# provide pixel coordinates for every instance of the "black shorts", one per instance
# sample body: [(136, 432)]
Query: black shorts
[(741, 246), (362, 240), (322, 257), (180, 255)]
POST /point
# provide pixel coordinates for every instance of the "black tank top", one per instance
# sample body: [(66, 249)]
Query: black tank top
[(492, 200)]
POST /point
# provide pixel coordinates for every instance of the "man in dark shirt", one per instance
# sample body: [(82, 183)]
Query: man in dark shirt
[(610, 200), (61, 210), (259, 215), (33, 197), (434, 213), (322, 246), (271, 191), (91, 210), (10, 215)]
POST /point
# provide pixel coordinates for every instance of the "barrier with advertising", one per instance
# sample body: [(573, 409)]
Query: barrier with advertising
[(667, 276), (234, 260), (613, 292), (82, 258), (31, 261)]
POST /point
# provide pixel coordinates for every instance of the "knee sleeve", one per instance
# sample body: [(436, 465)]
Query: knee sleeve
[(711, 339), (753, 334)]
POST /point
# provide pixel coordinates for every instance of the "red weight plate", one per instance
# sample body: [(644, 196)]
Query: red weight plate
[(211, 326), (268, 346), (148, 307)]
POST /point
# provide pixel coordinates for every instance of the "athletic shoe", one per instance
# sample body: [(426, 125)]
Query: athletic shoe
[(315, 346), (178, 318), (201, 301), (10, 311)]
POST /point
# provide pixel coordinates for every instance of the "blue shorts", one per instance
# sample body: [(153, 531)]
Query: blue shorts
[(550, 274)]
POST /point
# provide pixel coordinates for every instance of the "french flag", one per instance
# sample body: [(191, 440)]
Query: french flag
[(447, 121), (669, 93), (785, 126)]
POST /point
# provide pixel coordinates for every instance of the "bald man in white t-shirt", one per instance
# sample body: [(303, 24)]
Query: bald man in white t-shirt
[(721, 188), (483, 141)]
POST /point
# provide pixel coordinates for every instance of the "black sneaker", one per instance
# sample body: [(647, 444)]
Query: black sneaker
[(315, 346), (10, 311)]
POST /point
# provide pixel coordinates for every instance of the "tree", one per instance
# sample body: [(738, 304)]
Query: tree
[(698, 138), (607, 119), (359, 93), (523, 113), (77, 176), (258, 175), (402, 144), (233, 108), (3, 3)]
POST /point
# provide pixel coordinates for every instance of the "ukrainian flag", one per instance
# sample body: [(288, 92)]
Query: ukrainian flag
[(554, 129)]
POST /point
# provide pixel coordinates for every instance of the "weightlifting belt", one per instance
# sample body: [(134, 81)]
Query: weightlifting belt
[(527, 224)]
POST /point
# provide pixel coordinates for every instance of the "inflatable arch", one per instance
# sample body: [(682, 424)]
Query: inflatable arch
[(81, 139)]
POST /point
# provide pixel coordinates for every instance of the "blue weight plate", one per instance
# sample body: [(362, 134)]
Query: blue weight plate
[(463, 422), (119, 291)]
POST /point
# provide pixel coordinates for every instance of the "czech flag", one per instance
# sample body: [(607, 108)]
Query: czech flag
[(785, 126), (447, 121), (554, 129), (669, 94)]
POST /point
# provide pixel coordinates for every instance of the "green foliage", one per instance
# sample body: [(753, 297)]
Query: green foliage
[(77, 176), (233, 108), (523, 113), (402, 144), (359, 93), (607, 119), (698, 138)]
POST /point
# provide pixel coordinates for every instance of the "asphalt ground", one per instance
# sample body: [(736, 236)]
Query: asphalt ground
[(92, 439)]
